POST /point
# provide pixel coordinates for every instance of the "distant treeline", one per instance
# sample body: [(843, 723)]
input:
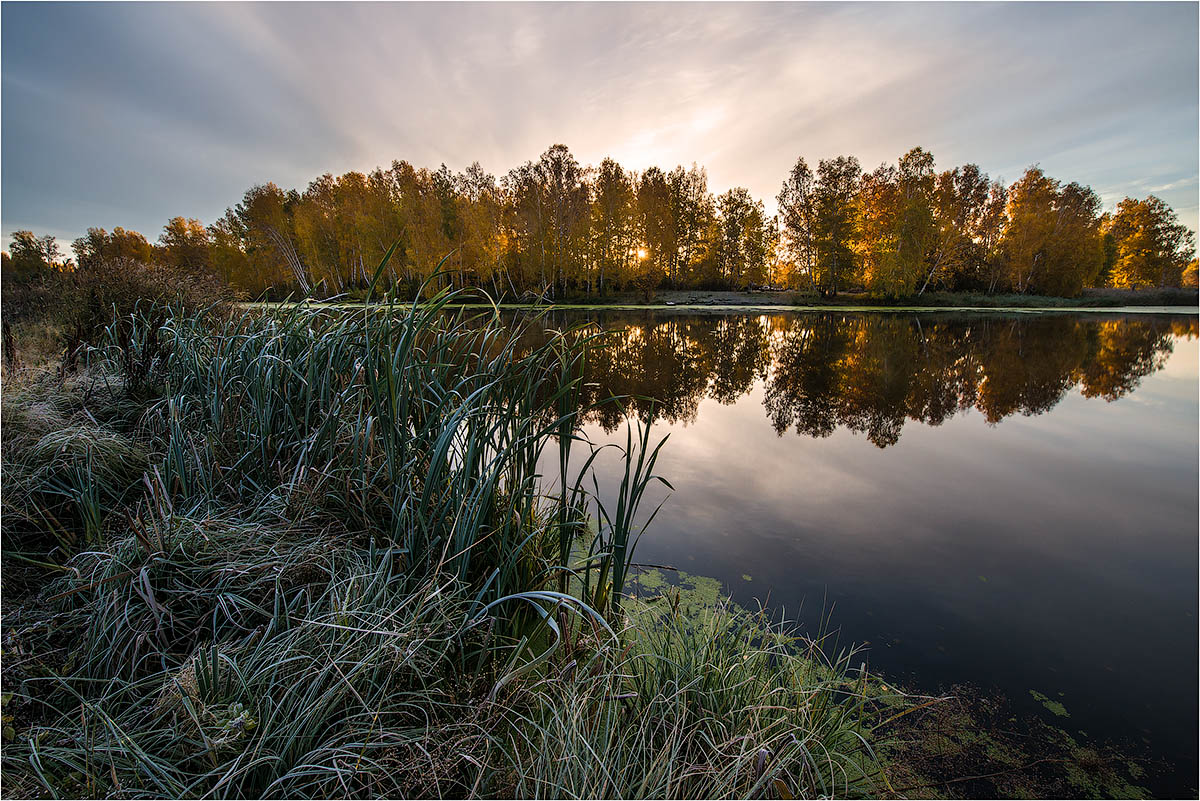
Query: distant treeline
[(552, 226)]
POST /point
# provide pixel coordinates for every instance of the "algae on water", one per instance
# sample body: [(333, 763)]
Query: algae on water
[(1054, 706)]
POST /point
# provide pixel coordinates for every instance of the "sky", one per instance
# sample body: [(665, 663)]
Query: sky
[(129, 114)]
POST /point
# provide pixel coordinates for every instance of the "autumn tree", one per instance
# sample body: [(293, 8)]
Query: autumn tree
[(29, 255), (1052, 240), (184, 243), (744, 244), (656, 221), (1076, 251), (98, 244), (1151, 247), (527, 226), (819, 219), (733, 210), (990, 266), (1030, 229), (265, 219), (968, 220), (330, 224), (568, 204), (693, 211), (480, 233), (554, 225), (551, 212), (798, 215), (877, 242), (1191, 278), (228, 259), (422, 218), (613, 221), (835, 222)]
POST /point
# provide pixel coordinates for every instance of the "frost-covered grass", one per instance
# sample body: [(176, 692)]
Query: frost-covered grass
[(306, 553)]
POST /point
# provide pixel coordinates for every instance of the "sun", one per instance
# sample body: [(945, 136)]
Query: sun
[(641, 253)]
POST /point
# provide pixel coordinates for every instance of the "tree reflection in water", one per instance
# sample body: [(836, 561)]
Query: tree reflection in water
[(870, 373)]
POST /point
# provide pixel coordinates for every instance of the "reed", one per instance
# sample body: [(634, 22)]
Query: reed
[(322, 558)]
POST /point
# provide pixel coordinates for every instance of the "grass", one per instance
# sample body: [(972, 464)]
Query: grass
[(709, 702), (306, 553)]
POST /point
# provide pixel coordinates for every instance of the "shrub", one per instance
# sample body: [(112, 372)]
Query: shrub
[(100, 299)]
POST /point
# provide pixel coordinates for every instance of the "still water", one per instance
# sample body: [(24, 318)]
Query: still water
[(1008, 501)]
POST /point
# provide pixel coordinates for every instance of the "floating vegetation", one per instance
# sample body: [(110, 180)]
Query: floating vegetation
[(1054, 706)]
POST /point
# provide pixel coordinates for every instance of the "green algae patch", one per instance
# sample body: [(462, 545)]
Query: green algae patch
[(687, 589), (650, 581), (1054, 706), (972, 745)]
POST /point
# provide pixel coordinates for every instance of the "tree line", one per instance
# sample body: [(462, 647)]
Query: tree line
[(553, 227)]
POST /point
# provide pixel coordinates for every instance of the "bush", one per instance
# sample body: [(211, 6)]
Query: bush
[(101, 298), (76, 307)]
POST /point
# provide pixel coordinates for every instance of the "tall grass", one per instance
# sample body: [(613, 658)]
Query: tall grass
[(420, 429), (322, 560), (702, 702)]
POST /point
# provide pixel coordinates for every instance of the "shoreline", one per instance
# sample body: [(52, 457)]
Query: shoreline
[(1115, 301), (758, 308)]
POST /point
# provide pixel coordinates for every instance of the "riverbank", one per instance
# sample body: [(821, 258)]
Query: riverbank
[(1117, 301), (954, 742), (1089, 299)]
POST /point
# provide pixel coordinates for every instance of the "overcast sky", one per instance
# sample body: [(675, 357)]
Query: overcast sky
[(128, 114)]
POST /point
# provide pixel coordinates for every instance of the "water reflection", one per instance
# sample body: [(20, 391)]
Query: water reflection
[(1055, 553), (870, 373)]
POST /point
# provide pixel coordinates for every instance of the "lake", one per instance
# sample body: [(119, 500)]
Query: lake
[(1005, 500)]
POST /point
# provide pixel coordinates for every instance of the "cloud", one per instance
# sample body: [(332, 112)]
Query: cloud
[(145, 111)]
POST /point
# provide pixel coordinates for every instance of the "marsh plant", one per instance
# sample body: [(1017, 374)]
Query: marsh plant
[(310, 552)]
